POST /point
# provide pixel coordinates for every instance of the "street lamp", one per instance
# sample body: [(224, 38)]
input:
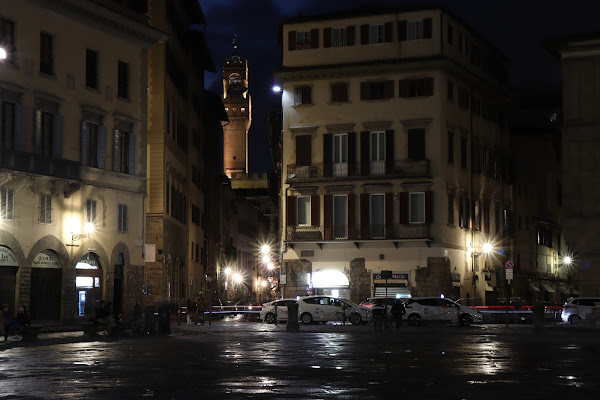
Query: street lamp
[(3, 54)]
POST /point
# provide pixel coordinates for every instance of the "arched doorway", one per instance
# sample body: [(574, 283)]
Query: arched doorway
[(8, 278), (46, 287), (88, 282), (118, 285)]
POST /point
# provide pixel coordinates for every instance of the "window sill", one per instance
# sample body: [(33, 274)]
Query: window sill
[(374, 100), (303, 105), (125, 99), (333, 103), (48, 76), (93, 89)]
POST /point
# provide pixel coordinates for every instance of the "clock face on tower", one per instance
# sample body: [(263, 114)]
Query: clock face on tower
[(235, 79)]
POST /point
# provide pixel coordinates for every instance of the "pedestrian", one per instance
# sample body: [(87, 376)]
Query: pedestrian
[(398, 311), (188, 312), (379, 314), (22, 316), (200, 308)]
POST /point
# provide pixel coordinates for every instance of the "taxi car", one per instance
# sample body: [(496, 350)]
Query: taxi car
[(327, 308), (420, 309), (275, 310)]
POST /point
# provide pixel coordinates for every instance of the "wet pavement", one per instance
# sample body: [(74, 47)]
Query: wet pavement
[(232, 359)]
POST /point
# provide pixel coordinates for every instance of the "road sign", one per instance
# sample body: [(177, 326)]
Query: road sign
[(509, 274), (509, 264)]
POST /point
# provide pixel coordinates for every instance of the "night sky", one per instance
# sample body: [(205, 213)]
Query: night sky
[(514, 27)]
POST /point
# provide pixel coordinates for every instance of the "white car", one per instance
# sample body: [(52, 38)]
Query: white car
[(326, 308), (275, 310), (420, 309), (579, 308)]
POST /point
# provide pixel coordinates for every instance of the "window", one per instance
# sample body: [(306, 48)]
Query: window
[(123, 80), (340, 216), (450, 92), (463, 43), (303, 210), (46, 133), (7, 204), (377, 215), (340, 154), (416, 206), (7, 125), (463, 98), (416, 87), (414, 30), (92, 144), (91, 69), (45, 209), (497, 218), (303, 95), (303, 40), (377, 153), (376, 33), (451, 209), (122, 218), (476, 214), (416, 144), (46, 54), (463, 152), (339, 37), (486, 216), (377, 90), (90, 211), (123, 153), (450, 147), (7, 39), (339, 92)]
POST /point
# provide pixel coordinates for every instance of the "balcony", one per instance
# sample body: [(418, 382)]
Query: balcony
[(314, 233), (352, 171), (39, 164)]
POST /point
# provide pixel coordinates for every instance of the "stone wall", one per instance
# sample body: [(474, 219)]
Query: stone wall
[(296, 271), (434, 279), (360, 280)]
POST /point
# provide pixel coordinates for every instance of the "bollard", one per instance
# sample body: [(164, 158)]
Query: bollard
[(538, 317), (292, 322)]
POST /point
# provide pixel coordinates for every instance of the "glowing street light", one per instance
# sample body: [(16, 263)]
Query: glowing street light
[(3, 54), (265, 249), (270, 266), (277, 88), (237, 278), (266, 259), (567, 260), (227, 271), (487, 248)]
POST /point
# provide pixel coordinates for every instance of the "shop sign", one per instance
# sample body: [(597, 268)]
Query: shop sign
[(46, 259), (7, 258), (395, 275)]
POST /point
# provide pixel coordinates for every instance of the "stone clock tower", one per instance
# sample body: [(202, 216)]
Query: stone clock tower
[(237, 104)]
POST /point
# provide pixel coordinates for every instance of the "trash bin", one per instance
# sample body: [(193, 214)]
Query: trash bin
[(292, 322), (538, 317)]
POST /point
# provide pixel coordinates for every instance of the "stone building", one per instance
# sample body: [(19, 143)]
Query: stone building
[(73, 155), (395, 156)]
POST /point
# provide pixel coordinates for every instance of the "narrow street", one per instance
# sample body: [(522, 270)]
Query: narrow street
[(235, 359)]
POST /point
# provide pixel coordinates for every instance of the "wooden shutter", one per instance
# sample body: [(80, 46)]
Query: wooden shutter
[(37, 131), (365, 151), (388, 29), (427, 28), (402, 29), (404, 87), (364, 91), (116, 150), (131, 155), (20, 138), (351, 153), (303, 150), (365, 222), (327, 37), (290, 210), (364, 34), (315, 211), (389, 89), (327, 216), (428, 207), (85, 143), (101, 146), (428, 84), (291, 40), (57, 136), (389, 152), (350, 35), (327, 154), (352, 216), (389, 215), (314, 38), (404, 207)]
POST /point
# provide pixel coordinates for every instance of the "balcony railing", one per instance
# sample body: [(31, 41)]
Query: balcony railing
[(39, 164), (312, 233), (352, 171)]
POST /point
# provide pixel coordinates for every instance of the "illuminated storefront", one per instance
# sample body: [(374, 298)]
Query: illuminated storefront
[(329, 283), (88, 281)]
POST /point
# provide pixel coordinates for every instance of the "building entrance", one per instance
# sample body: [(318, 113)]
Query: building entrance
[(8, 278), (88, 281), (46, 287)]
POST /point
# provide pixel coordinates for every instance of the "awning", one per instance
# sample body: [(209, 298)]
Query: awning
[(563, 289), (488, 287), (456, 284), (546, 287), (533, 287)]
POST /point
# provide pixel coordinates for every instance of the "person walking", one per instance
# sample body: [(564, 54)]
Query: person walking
[(398, 311), (379, 314), (200, 308)]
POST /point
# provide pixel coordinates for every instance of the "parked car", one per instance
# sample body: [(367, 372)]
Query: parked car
[(369, 301), (275, 310), (326, 308), (577, 309), (248, 309), (419, 309)]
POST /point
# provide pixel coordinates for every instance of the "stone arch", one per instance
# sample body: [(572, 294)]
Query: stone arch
[(50, 243), (119, 280), (120, 247), (8, 240)]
